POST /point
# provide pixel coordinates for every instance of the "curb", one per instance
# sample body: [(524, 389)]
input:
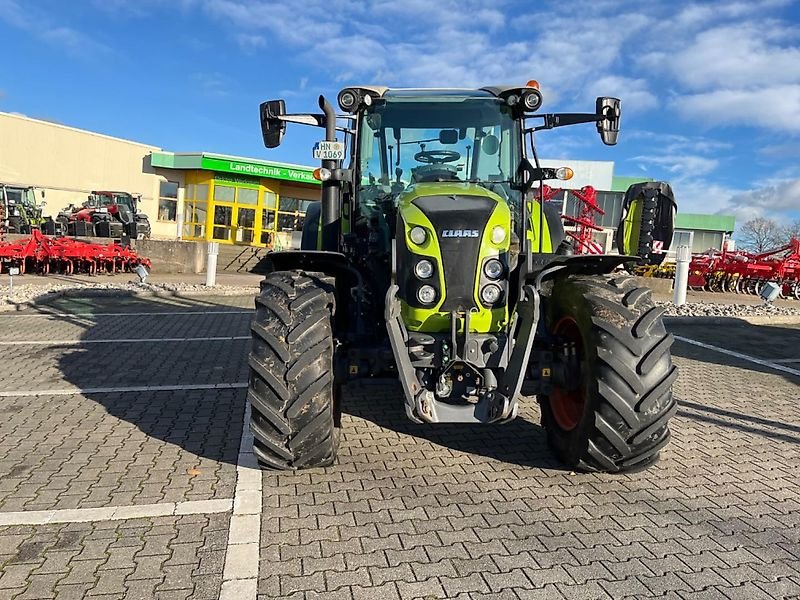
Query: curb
[(754, 320), (111, 293)]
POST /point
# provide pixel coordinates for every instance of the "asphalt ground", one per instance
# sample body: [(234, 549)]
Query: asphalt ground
[(124, 473)]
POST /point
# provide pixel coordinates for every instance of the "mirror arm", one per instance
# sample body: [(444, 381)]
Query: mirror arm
[(553, 120)]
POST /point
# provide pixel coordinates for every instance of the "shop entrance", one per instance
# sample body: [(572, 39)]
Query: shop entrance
[(238, 204)]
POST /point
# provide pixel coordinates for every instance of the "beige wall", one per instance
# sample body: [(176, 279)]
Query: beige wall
[(68, 163)]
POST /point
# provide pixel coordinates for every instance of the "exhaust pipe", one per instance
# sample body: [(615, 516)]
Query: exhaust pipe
[(330, 192)]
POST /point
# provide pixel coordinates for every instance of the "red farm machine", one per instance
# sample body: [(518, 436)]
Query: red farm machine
[(104, 214), (746, 273), (583, 224), (43, 254)]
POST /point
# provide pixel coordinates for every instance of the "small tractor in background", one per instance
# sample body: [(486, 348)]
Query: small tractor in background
[(19, 211), (106, 214), (433, 258)]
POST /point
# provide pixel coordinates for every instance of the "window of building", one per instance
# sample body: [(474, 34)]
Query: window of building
[(224, 193), (168, 201)]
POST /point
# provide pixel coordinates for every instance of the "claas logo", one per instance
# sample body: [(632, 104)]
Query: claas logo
[(461, 233)]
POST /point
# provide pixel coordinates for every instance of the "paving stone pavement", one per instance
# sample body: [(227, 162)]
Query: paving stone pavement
[(414, 511), (165, 558), (408, 511)]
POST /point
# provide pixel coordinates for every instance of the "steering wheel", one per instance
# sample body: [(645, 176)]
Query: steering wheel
[(437, 157)]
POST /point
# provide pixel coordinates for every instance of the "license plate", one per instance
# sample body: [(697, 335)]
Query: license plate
[(13, 270), (329, 151)]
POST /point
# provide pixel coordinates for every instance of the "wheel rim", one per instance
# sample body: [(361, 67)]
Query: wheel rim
[(568, 405)]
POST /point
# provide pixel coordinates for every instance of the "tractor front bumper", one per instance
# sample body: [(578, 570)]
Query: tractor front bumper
[(497, 360)]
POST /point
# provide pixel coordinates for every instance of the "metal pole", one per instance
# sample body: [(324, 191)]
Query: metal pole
[(211, 263), (683, 257)]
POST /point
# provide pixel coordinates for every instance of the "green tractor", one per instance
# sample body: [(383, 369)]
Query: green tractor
[(432, 258), (19, 211)]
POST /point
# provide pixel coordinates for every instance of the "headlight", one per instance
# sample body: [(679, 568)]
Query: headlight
[(532, 100), (426, 294), (493, 268), (498, 234), (423, 269), (491, 293), (348, 100), (418, 235)]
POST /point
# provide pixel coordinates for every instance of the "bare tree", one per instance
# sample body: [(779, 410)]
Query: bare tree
[(792, 231), (760, 234)]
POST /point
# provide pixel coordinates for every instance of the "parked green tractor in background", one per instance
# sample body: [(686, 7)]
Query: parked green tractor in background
[(19, 211), (431, 257)]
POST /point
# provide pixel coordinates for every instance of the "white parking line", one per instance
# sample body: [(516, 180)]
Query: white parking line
[(752, 359), (119, 390), (240, 575), (115, 513), (129, 314), (121, 341)]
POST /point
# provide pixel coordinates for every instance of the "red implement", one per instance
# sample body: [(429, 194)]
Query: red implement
[(43, 254)]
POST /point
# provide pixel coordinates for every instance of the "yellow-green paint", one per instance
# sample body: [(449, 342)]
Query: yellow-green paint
[(631, 227), (432, 320), (539, 223)]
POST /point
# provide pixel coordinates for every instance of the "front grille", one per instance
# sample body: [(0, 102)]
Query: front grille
[(457, 213)]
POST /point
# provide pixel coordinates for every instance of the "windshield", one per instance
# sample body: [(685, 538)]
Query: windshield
[(124, 199), (21, 196), (414, 140)]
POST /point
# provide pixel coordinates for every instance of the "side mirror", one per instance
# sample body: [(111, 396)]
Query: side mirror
[(608, 128), (272, 128)]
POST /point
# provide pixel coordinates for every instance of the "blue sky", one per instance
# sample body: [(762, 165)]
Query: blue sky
[(710, 91)]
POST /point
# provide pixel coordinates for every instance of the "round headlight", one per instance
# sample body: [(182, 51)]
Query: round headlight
[(498, 234), (347, 100), (423, 269), (493, 268), (418, 235), (426, 294), (532, 100), (491, 293)]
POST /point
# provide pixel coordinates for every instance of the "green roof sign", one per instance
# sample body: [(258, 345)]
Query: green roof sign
[(231, 164), (240, 167)]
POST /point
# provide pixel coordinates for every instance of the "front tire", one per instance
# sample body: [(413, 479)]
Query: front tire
[(294, 416), (616, 419)]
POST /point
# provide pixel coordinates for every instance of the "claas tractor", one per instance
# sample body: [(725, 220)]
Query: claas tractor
[(19, 211), (432, 258)]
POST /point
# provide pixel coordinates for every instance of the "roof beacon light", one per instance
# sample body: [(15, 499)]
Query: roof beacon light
[(532, 83), (564, 173)]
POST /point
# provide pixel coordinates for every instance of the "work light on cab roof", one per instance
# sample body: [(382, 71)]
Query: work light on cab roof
[(432, 256)]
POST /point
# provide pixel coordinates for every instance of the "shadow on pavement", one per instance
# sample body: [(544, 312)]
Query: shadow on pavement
[(520, 442), (206, 422)]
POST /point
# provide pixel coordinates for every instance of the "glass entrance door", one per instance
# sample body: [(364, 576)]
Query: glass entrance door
[(245, 225), (223, 220)]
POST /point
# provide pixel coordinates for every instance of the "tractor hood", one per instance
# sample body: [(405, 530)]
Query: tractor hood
[(461, 222)]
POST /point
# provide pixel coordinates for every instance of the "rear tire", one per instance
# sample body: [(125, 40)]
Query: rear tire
[(291, 389), (617, 420)]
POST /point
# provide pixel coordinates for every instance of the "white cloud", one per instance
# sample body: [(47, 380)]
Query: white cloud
[(683, 166), (39, 24), (743, 55), (776, 107), (636, 92)]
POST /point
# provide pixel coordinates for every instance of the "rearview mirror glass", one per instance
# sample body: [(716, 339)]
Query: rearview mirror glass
[(272, 128), (608, 128), (448, 136)]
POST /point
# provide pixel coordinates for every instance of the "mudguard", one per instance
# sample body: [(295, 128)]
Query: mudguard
[(648, 221)]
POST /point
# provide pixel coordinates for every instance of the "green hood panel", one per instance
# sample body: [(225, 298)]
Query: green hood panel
[(465, 272)]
